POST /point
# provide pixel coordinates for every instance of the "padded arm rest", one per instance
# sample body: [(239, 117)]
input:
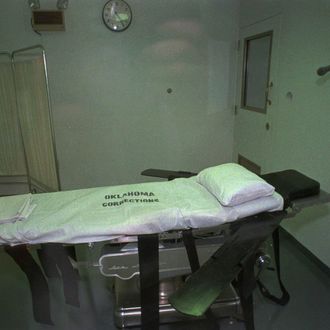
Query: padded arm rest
[(291, 185), (169, 175)]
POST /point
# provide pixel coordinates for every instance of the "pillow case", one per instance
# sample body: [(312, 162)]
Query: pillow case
[(233, 184)]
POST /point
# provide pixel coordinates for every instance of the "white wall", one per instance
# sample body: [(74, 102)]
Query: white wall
[(300, 126), (252, 11), (112, 114)]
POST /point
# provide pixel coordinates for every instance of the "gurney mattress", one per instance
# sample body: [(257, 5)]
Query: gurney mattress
[(99, 214)]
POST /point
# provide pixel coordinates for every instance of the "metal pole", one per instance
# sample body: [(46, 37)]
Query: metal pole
[(18, 120)]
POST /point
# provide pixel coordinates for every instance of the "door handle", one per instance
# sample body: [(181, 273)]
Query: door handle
[(268, 90)]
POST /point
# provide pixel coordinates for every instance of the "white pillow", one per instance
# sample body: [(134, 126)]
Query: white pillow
[(232, 184)]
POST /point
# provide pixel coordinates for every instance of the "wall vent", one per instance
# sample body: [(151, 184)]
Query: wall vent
[(48, 20)]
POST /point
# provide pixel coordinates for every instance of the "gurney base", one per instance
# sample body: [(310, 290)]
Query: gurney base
[(127, 311)]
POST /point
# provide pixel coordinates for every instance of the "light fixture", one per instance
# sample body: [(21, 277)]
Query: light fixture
[(62, 4), (34, 4)]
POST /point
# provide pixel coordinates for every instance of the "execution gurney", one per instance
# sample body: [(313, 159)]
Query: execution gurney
[(178, 217)]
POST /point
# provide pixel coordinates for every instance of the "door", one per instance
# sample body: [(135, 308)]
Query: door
[(256, 101)]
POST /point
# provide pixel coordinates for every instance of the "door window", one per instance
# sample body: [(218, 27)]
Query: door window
[(256, 66)]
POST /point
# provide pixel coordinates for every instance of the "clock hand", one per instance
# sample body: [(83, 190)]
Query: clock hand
[(121, 22)]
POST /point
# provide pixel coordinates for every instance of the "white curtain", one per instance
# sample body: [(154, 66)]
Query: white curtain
[(12, 162), (34, 114)]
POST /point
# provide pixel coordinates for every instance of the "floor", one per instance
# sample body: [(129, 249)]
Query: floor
[(310, 227), (308, 309)]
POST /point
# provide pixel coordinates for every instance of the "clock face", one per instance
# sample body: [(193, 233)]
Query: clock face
[(117, 15)]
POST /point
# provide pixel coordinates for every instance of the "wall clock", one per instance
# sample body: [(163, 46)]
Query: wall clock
[(117, 15)]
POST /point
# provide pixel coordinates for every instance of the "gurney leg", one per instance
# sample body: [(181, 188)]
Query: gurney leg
[(38, 284), (149, 281), (246, 285), (247, 306)]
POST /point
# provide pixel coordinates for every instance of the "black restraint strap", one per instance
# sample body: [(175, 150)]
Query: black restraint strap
[(149, 281), (169, 175), (59, 256), (48, 264), (291, 185), (38, 284), (189, 243), (284, 299)]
